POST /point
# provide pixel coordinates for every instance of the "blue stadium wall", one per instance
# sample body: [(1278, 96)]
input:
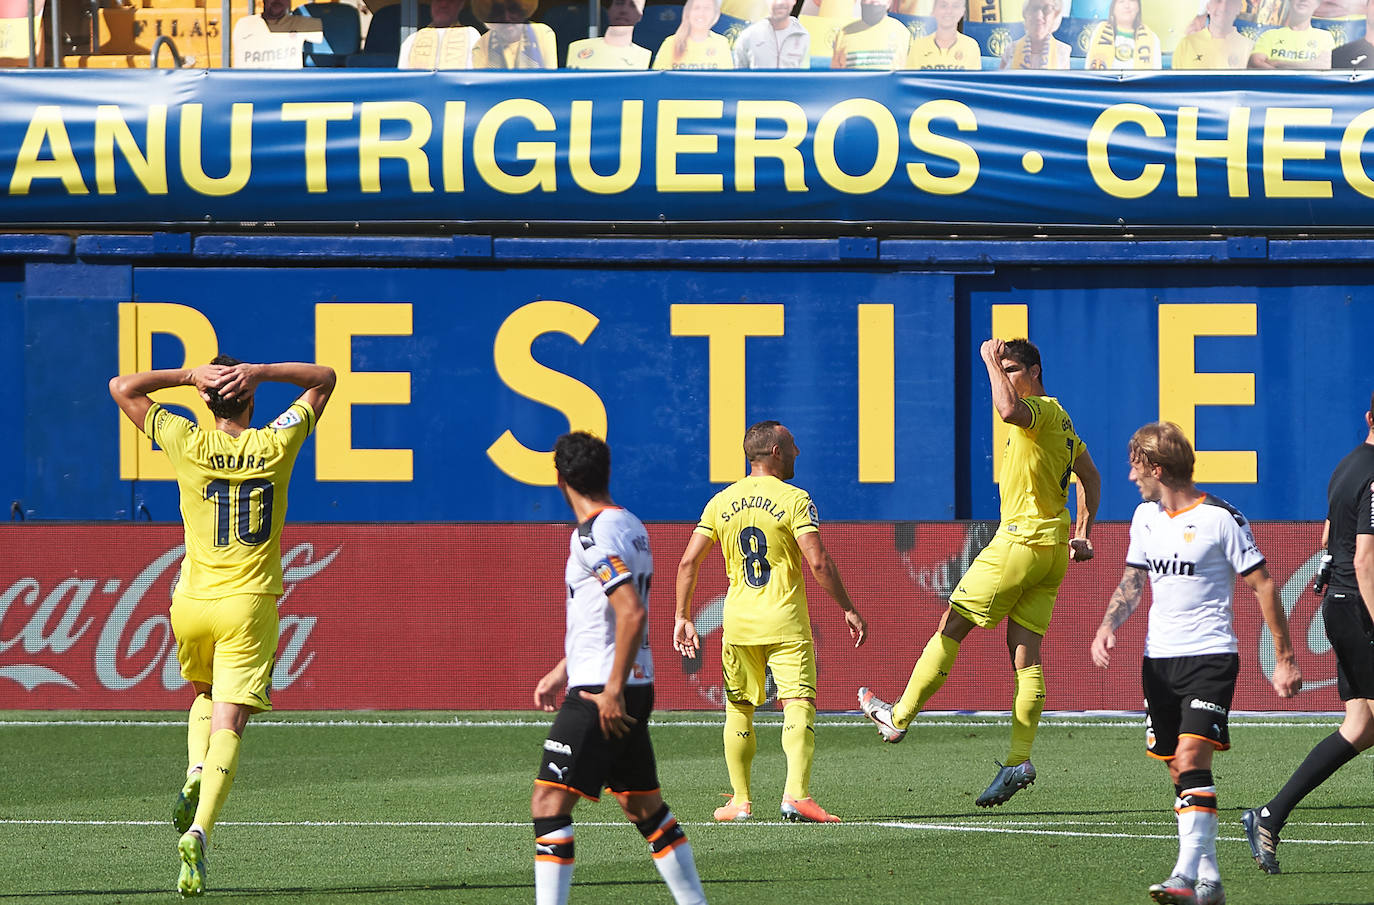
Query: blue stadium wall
[(461, 359), (377, 222)]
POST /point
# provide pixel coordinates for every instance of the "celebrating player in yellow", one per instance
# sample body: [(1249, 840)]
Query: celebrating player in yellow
[(233, 482), (766, 528), (1017, 575)]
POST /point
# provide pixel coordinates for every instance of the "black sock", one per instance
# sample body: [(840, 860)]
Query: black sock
[(1329, 755)]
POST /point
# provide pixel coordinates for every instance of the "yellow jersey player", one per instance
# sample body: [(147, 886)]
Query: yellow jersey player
[(767, 529), (946, 48), (1017, 576), (233, 482)]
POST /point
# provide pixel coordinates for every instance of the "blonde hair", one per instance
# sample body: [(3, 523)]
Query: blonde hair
[(684, 28), (1164, 444)]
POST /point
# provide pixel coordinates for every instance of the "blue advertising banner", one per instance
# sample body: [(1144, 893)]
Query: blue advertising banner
[(454, 383), (1076, 148)]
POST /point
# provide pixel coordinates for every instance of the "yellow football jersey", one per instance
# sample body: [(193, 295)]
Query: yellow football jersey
[(926, 54), (233, 498), (1200, 50), (757, 521), (711, 53), (1035, 474)]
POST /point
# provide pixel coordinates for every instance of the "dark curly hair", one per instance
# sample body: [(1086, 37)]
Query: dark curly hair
[(226, 408), (584, 463)]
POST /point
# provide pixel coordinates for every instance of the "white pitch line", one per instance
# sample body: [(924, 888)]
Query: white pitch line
[(845, 721), (1028, 830)]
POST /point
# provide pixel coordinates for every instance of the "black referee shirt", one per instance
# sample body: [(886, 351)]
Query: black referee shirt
[(1349, 497)]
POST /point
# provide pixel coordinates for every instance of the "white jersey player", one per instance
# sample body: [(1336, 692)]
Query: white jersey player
[(1192, 546), (600, 738)]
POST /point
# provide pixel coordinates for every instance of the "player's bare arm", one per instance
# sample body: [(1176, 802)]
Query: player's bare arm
[(1287, 680), (1089, 495), (630, 617), (317, 381), (554, 681), (828, 577), (131, 391), (1125, 599), (685, 640), (1004, 396)]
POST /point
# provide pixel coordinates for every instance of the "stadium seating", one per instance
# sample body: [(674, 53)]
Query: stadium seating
[(660, 20), (568, 21), (342, 33), (383, 43)]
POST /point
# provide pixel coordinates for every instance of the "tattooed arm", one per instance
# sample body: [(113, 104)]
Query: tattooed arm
[(1124, 600)]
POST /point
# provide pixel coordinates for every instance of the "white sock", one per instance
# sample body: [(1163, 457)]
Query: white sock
[(1197, 832), (553, 866), (673, 857)]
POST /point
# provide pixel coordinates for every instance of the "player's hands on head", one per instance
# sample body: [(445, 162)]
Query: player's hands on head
[(240, 380), (858, 627), (208, 377), (1080, 549), (685, 639), (1102, 647), (994, 350)]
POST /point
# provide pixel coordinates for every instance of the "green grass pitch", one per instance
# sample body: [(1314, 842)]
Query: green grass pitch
[(353, 809)]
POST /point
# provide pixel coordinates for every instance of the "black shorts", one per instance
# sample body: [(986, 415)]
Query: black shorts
[(1351, 634), (578, 757), (1188, 696)]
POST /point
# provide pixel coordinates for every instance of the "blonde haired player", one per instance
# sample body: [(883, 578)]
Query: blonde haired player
[(1017, 575), (233, 483), (766, 529)]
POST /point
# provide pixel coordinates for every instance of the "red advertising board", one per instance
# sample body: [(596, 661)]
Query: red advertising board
[(470, 616)]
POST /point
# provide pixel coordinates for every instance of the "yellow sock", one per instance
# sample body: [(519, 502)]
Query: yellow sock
[(198, 730), (1025, 712), (799, 744), (740, 745), (221, 763), (927, 676)]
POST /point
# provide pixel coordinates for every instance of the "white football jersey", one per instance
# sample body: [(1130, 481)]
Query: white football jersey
[(606, 551), (1193, 557)]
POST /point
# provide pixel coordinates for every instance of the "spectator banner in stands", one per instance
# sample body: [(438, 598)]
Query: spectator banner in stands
[(470, 616), (1112, 149)]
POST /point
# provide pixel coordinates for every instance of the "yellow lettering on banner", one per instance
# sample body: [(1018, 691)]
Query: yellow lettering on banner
[(749, 147), (1099, 154), (951, 149), (580, 148), (1352, 144), (316, 117), (884, 161), (372, 148), (1182, 389), (138, 322), (726, 327), (1008, 322), (1234, 149), (47, 127), (877, 394), (672, 144), (111, 129), (1278, 150), (335, 326), (455, 114), (542, 175), (517, 368), (240, 151)]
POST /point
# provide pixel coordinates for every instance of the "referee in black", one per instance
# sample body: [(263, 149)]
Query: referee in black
[(1347, 576)]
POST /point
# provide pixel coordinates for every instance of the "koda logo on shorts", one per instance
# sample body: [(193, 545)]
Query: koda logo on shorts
[(1207, 705), (557, 747)]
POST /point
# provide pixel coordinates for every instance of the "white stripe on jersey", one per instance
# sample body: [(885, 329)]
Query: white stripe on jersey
[(1193, 559), (604, 552)]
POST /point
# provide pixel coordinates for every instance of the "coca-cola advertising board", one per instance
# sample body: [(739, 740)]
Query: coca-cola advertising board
[(470, 616)]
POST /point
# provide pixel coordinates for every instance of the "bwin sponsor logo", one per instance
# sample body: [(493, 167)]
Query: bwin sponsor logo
[(1173, 566)]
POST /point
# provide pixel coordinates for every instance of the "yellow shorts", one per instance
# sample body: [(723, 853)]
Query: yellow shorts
[(229, 643), (793, 664), (1012, 580)]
